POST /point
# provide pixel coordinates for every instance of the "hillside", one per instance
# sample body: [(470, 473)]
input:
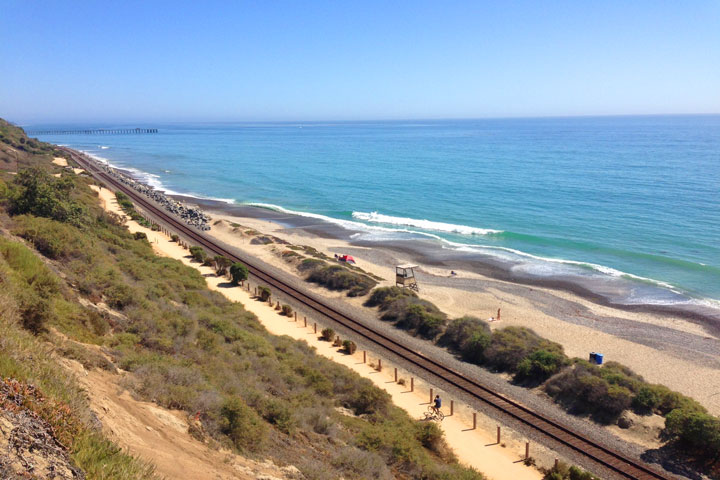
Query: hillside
[(76, 283)]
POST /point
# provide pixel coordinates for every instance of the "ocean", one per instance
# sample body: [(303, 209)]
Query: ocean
[(627, 205)]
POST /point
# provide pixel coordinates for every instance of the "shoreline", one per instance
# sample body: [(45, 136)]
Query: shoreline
[(426, 252), (680, 351)]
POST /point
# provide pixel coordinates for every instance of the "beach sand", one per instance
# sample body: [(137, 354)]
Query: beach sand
[(476, 448), (681, 353)]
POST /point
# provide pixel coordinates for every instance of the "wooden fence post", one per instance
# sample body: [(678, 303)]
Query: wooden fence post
[(305, 320), (498, 434), (431, 395), (474, 420), (412, 384), (379, 364), (395, 374), (527, 450), (452, 407), (364, 356), (315, 327)]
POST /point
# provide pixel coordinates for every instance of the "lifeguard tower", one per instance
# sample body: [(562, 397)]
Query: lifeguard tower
[(405, 277)]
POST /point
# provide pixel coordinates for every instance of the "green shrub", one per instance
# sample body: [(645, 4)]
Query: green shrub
[(697, 432), (564, 472), (661, 400), (175, 238), (287, 310), (239, 273), (119, 296), (264, 293), (468, 336), (337, 277), (139, 236), (382, 297), (349, 346), (511, 345), (155, 227), (198, 254), (327, 334), (36, 192), (242, 425), (35, 313), (539, 366)]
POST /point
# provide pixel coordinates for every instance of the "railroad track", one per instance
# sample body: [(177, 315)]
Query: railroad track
[(615, 461)]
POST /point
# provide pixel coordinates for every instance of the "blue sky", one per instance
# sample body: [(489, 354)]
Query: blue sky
[(289, 60)]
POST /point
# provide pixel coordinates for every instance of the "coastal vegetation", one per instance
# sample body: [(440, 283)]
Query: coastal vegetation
[(184, 347), (336, 277), (603, 393)]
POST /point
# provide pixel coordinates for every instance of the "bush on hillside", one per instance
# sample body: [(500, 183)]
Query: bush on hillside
[(239, 273), (175, 238), (287, 310), (651, 398), (468, 336), (564, 472), (349, 346), (337, 277), (582, 389), (539, 366), (139, 236), (511, 345), (697, 432), (382, 297), (34, 191), (242, 425)]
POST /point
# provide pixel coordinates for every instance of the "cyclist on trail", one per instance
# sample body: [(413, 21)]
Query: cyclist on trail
[(438, 404)]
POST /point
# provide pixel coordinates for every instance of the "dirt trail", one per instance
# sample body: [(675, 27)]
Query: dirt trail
[(160, 435), (476, 448)]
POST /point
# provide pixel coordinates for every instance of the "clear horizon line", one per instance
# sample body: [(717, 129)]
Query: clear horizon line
[(372, 120)]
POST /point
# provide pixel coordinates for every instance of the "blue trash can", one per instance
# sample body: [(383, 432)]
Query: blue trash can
[(592, 357), (599, 358)]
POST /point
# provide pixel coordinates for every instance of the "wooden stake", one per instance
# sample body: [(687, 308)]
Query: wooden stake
[(364, 356), (379, 364), (452, 407), (431, 395), (412, 384), (556, 464), (395, 374), (498, 434), (527, 450), (296, 316), (474, 420), (305, 320), (315, 327)]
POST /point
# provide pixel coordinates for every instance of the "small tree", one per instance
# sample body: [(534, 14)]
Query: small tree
[(139, 236), (221, 264), (198, 254), (287, 310), (175, 238), (239, 273)]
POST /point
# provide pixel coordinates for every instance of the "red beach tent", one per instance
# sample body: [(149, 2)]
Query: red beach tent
[(347, 258)]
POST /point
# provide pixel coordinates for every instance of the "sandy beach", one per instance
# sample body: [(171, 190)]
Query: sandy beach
[(682, 353)]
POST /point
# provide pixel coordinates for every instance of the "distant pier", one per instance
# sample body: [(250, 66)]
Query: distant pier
[(98, 131)]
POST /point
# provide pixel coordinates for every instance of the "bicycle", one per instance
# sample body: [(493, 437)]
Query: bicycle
[(433, 414)]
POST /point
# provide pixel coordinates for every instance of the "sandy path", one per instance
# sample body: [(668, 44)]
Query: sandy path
[(161, 436), (663, 349), (475, 448)]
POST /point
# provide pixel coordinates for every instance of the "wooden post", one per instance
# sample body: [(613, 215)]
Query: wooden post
[(395, 374), (379, 364), (305, 321), (452, 407), (431, 395), (364, 356), (412, 384), (315, 327), (256, 291), (498, 434), (527, 450), (474, 420), (556, 464), (296, 316)]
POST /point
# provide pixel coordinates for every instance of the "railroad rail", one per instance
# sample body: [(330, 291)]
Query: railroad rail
[(95, 131), (603, 456)]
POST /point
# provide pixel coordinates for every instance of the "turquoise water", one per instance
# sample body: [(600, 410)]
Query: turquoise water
[(614, 197)]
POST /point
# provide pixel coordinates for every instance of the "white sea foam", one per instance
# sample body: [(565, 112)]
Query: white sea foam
[(375, 217), (154, 181), (103, 147)]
